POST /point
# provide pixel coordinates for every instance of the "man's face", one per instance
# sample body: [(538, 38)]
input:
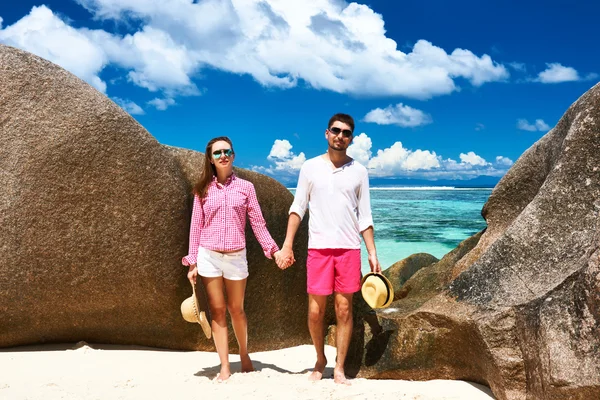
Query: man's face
[(339, 136)]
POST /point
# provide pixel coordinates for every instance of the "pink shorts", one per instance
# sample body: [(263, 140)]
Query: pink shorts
[(332, 270)]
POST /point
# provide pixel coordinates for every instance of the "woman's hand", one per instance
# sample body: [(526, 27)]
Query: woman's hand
[(192, 274), (284, 258)]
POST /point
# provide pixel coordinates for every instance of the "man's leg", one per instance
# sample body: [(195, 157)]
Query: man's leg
[(316, 314), (343, 333)]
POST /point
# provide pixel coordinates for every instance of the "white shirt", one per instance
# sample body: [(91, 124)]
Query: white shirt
[(338, 201)]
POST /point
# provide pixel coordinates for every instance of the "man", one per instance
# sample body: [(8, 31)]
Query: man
[(335, 189)]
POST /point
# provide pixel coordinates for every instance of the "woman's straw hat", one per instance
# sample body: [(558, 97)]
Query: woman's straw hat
[(377, 290), (191, 313)]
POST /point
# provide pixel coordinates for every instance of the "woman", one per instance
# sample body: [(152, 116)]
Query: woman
[(218, 247)]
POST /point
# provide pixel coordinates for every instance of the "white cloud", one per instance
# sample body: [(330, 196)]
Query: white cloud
[(420, 160), (539, 125), (503, 161), (278, 43), (284, 158), (42, 33), (129, 106), (280, 149), (394, 161), (556, 73), (162, 104), (472, 159), (397, 160), (517, 66), (401, 115), (360, 149)]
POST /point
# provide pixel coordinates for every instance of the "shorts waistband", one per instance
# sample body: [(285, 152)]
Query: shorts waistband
[(232, 254)]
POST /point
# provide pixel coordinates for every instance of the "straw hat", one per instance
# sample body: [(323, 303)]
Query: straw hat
[(191, 313), (377, 290)]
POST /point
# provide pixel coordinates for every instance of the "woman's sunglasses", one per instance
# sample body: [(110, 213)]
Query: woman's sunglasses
[(218, 153), (336, 131)]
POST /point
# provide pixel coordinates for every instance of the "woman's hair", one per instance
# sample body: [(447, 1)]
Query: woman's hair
[(209, 169)]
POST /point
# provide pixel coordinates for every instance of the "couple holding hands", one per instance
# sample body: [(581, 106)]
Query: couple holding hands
[(335, 190)]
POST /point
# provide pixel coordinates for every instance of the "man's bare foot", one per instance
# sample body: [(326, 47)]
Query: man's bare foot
[(317, 373), (340, 377), (246, 363)]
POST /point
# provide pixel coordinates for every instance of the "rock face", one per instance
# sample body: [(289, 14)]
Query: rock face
[(94, 220), (401, 271), (520, 309)]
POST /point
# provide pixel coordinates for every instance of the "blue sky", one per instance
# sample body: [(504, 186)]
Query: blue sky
[(438, 89)]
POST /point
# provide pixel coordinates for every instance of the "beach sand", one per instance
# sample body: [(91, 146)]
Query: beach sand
[(85, 371)]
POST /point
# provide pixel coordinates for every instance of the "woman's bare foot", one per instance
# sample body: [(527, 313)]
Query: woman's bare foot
[(223, 375), (317, 373), (246, 363), (340, 377)]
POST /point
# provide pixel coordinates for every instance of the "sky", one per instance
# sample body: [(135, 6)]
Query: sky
[(439, 90)]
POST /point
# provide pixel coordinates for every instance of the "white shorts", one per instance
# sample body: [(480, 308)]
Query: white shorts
[(232, 266)]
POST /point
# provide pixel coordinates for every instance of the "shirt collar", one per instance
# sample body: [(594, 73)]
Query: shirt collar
[(229, 179)]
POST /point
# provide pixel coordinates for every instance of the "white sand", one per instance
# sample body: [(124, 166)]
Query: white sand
[(118, 372)]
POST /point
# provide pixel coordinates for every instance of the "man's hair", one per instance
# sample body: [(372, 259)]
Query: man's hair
[(344, 118)]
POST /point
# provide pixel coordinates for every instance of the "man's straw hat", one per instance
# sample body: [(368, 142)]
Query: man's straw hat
[(191, 313), (377, 290)]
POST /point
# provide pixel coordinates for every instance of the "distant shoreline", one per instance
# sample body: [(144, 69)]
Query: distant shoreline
[(424, 188), (423, 184)]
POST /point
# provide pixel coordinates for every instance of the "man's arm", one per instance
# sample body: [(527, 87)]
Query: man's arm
[(287, 252), (369, 238), (365, 223), (297, 211)]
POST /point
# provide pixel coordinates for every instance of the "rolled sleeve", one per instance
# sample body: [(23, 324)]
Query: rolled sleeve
[(195, 227), (365, 218), (300, 203)]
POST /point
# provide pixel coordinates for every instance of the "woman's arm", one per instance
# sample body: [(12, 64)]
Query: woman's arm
[(259, 226), (195, 227)]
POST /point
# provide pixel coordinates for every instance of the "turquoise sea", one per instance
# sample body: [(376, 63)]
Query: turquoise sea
[(430, 220)]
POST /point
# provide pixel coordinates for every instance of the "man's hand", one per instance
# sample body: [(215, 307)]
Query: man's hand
[(284, 257), (192, 274), (374, 263)]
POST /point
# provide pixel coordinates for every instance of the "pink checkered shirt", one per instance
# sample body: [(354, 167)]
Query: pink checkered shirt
[(219, 224)]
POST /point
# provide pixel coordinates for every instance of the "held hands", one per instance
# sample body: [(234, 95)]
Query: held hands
[(374, 263), (192, 274), (284, 257)]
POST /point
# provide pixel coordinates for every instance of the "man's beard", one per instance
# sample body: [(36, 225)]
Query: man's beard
[(339, 148)]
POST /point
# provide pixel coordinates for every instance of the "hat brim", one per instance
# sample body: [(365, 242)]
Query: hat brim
[(388, 285), (201, 316)]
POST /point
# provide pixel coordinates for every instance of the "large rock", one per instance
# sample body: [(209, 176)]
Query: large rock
[(94, 220), (520, 311), (401, 271)]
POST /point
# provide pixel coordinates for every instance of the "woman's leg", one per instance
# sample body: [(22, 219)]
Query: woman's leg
[(235, 304), (218, 311)]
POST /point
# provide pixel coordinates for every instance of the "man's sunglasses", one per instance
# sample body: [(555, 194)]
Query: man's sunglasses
[(218, 153), (336, 131)]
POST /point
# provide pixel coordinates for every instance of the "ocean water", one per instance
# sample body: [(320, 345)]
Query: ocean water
[(432, 220)]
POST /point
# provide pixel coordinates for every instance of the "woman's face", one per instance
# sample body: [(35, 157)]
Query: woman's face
[(221, 155)]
